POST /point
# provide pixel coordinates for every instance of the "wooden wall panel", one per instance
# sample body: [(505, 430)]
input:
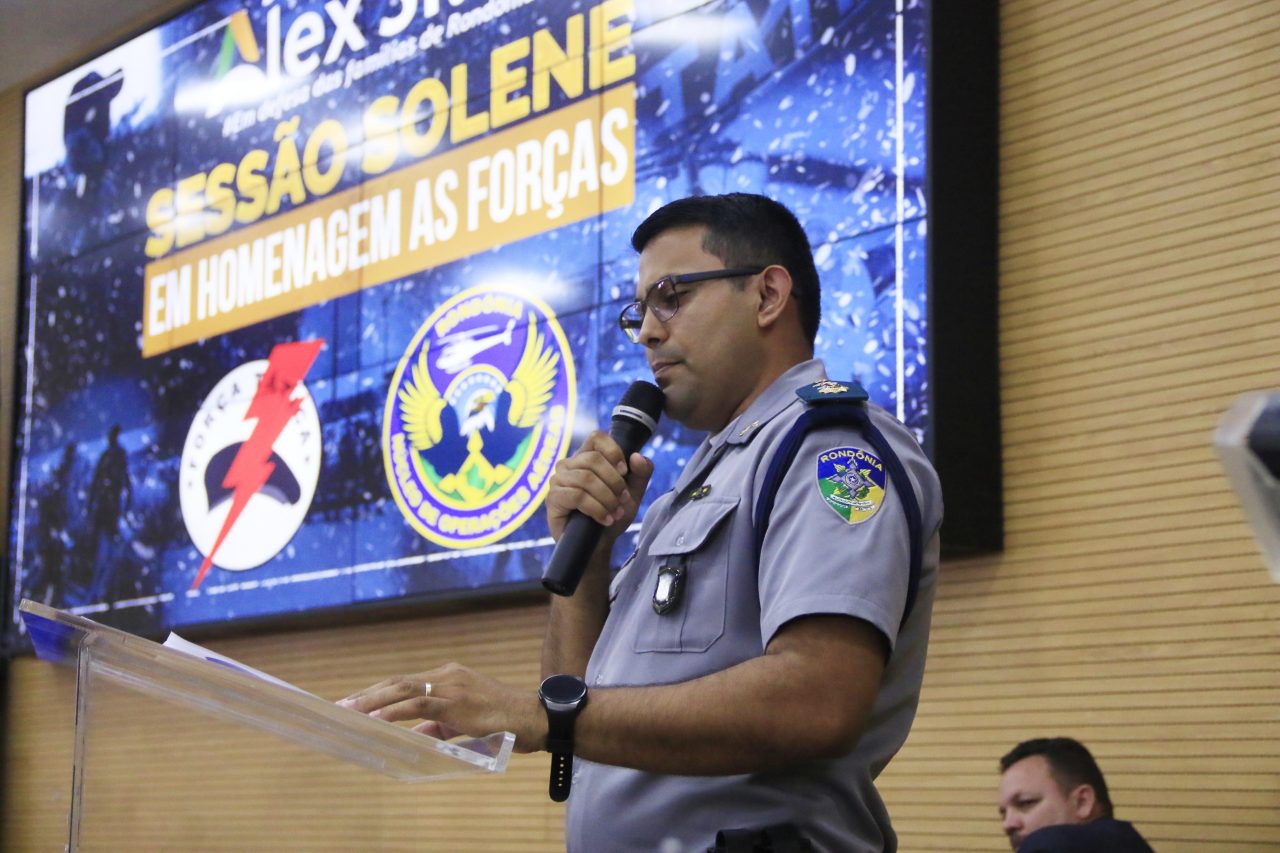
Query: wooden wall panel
[(1139, 247), (1140, 239), (10, 204)]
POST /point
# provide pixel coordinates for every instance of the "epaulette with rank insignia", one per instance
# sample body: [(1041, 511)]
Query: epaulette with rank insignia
[(830, 391)]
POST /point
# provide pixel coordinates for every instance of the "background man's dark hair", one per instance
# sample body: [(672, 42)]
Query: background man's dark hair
[(1070, 765), (746, 230)]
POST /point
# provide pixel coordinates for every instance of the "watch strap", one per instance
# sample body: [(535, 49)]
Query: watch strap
[(560, 745), (561, 776)]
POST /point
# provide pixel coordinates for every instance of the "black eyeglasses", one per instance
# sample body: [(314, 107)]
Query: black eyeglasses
[(664, 302)]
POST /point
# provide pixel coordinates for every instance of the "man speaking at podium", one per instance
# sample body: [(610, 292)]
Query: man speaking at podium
[(757, 661)]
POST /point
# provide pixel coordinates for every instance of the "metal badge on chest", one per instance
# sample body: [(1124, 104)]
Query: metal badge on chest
[(668, 590)]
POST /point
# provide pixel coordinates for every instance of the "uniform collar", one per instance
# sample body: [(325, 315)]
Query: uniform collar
[(771, 403)]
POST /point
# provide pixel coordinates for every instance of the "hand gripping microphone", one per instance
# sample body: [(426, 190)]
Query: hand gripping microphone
[(634, 420)]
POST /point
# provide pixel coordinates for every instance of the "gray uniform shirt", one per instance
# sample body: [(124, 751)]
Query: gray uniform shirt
[(814, 561)]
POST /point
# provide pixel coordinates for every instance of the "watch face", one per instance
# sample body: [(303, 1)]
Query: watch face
[(563, 689)]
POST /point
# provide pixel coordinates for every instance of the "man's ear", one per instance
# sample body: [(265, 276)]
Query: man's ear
[(1083, 801), (775, 294)]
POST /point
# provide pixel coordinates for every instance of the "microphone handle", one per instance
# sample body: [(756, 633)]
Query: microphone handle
[(569, 560), (582, 534)]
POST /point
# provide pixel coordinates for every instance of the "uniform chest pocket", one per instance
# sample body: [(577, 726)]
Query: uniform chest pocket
[(688, 544)]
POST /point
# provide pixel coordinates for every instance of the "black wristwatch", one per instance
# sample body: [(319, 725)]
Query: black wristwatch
[(564, 696)]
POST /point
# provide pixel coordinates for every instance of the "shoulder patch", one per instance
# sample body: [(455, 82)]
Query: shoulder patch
[(852, 482), (830, 391)]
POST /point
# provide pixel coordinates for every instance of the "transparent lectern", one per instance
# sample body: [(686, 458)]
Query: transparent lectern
[(107, 659)]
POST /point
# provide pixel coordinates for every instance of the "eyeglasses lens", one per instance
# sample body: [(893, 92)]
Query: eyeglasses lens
[(661, 298), (630, 320)]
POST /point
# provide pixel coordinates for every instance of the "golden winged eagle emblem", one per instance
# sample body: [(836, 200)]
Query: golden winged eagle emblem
[(475, 454)]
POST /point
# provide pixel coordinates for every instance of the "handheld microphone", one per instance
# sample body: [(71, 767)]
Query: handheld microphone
[(634, 420)]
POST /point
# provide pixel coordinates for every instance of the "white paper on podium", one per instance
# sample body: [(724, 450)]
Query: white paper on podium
[(177, 643)]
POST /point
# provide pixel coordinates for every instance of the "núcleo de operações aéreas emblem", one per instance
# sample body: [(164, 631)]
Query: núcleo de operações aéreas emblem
[(479, 411)]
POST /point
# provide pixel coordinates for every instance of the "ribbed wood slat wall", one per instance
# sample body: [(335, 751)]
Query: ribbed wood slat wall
[(1140, 231), (1140, 240), (10, 205)]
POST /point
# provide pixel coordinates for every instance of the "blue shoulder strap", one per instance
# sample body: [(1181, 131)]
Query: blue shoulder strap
[(842, 404)]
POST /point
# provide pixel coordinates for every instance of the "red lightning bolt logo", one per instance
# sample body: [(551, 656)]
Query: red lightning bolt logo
[(273, 405)]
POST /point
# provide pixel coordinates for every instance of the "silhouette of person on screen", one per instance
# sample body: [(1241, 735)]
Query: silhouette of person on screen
[(86, 134), (110, 494), (86, 125), (55, 529)]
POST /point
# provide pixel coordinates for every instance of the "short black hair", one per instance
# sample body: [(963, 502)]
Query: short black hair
[(1070, 765), (744, 229)]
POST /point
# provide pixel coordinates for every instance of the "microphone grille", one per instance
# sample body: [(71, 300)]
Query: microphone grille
[(644, 396)]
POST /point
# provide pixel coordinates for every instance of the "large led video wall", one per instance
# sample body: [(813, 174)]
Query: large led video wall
[(317, 293)]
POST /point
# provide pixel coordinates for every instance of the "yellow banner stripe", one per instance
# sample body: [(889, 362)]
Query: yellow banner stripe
[(552, 171)]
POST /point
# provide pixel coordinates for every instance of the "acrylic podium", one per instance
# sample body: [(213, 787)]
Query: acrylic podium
[(114, 668)]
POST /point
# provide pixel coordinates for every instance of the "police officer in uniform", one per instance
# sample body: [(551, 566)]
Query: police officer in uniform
[(742, 673)]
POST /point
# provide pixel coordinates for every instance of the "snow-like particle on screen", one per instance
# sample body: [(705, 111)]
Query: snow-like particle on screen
[(908, 86)]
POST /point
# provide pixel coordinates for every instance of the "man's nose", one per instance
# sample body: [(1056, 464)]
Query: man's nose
[(1011, 822), (652, 330)]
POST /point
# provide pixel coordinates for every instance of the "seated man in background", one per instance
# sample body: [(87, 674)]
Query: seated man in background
[(1053, 799)]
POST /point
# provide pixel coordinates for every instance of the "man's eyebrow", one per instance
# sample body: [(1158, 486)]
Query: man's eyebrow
[(648, 286)]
